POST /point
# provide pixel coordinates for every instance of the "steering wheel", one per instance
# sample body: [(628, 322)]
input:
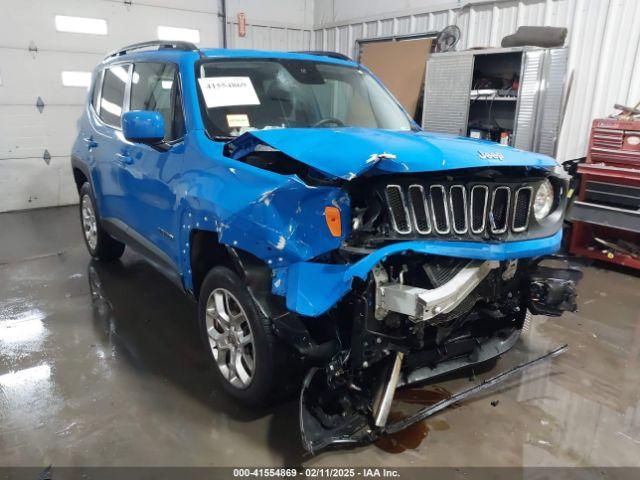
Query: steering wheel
[(327, 121)]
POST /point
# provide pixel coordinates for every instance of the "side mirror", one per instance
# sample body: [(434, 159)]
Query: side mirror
[(143, 126)]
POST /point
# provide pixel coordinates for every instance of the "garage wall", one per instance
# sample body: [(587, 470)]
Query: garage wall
[(29, 178), (339, 12), (604, 43), (35, 143), (279, 25), (603, 38)]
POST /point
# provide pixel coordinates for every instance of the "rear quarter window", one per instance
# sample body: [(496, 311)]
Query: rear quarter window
[(111, 101), (95, 91)]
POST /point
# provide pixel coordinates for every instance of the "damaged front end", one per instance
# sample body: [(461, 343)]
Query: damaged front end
[(358, 428), (436, 270), (417, 317)]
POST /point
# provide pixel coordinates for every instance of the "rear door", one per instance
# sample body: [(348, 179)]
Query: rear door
[(106, 142), (150, 174)]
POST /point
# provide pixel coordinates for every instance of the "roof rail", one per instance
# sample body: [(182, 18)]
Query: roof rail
[(161, 44), (322, 53)]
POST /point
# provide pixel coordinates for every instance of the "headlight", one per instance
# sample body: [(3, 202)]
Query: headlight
[(543, 202)]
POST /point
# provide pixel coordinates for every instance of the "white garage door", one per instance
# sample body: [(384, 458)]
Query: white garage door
[(36, 53)]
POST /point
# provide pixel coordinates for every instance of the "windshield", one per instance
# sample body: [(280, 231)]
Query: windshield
[(243, 95)]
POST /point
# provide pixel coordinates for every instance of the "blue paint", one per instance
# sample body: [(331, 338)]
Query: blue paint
[(313, 288), (349, 152), (143, 126), (165, 196)]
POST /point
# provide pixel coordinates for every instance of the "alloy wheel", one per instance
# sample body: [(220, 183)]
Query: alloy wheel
[(230, 338), (89, 223)]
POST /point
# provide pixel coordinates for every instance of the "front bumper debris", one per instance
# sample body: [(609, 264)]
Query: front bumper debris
[(313, 288), (358, 429), (552, 291), (421, 304)]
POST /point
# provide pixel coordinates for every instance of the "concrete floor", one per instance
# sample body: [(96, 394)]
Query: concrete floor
[(118, 376)]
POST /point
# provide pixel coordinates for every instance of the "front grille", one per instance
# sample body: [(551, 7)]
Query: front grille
[(522, 204), (458, 200), (419, 209), (439, 209), (479, 202), (499, 212), (458, 209), (398, 208)]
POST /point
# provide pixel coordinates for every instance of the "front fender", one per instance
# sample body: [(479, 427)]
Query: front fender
[(277, 218)]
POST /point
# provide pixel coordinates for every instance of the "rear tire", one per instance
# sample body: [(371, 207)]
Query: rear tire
[(100, 244), (239, 340)]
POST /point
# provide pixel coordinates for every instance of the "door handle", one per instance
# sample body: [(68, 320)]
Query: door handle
[(124, 159), (91, 143)]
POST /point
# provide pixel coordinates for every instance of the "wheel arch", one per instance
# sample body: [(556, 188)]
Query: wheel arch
[(79, 177), (81, 173), (206, 252)]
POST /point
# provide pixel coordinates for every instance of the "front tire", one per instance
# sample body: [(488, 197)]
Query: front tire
[(238, 338), (100, 244)]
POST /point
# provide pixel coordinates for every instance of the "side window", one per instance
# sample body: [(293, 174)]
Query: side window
[(154, 87), (95, 91), (113, 87)]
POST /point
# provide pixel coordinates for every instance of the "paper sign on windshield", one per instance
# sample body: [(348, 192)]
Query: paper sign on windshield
[(228, 91)]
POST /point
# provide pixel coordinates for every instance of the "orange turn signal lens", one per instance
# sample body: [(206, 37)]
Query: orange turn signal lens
[(332, 215)]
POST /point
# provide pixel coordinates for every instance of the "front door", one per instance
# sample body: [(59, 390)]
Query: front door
[(150, 173)]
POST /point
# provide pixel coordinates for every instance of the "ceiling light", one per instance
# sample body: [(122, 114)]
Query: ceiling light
[(76, 79), (92, 26), (179, 34)]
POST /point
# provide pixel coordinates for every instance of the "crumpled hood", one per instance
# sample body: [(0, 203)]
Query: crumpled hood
[(349, 152)]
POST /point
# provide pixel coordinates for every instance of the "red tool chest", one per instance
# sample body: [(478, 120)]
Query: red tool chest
[(608, 203), (615, 142)]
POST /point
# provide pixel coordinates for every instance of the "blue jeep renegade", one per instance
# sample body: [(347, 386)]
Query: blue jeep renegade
[(330, 243)]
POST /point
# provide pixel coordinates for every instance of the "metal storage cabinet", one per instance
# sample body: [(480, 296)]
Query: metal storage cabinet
[(538, 104)]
